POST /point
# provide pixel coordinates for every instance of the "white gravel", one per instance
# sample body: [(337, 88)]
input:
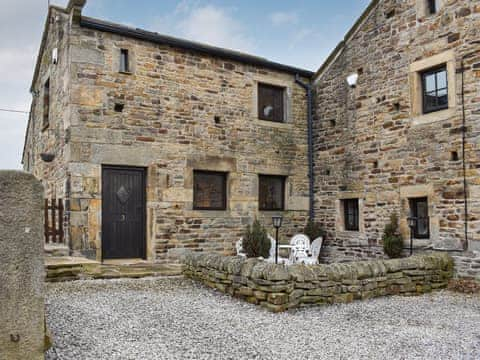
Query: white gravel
[(174, 318)]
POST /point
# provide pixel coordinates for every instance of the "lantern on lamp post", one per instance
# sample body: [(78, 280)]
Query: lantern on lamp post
[(277, 223)]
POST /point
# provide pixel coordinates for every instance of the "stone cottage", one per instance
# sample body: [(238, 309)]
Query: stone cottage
[(161, 144), (406, 138)]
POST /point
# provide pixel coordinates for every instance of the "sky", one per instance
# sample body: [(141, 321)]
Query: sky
[(300, 33)]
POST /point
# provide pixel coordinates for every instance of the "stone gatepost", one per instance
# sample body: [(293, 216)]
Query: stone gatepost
[(22, 314)]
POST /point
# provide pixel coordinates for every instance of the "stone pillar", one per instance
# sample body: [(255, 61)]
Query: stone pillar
[(22, 316)]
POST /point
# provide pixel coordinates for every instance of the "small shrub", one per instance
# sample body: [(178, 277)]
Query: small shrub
[(255, 241), (313, 230), (392, 241)]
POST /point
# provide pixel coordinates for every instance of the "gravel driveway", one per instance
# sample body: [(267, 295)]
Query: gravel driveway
[(174, 318)]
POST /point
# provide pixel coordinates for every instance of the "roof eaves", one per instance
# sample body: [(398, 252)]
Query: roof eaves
[(350, 34), (156, 38), (42, 44)]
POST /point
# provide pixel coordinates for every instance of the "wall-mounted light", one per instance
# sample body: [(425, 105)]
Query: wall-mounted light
[(352, 80), (55, 56)]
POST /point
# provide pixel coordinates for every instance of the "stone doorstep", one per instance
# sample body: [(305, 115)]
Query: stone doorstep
[(56, 250), (67, 268)]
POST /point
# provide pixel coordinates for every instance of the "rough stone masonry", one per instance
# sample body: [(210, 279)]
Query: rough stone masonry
[(374, 142), (177, 110), (279, 287), (181, 111)]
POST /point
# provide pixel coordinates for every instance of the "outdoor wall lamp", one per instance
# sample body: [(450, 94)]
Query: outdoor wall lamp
[(411, 224), (352, 80), (277, 223)]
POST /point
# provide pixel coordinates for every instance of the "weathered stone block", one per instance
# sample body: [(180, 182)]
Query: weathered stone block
[(343, 298), (277, 298), (22, 272)]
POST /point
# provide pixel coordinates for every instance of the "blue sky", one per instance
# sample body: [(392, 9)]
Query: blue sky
[(300, 33)]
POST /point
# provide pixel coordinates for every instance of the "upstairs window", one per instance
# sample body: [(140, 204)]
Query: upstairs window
[(209, 190), (271, 102), (46, 104), (432, 6), (419, 211), (435, 89), (124, 65), (351, 215), (271, 192)]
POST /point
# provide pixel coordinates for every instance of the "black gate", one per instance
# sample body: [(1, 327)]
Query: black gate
[(123, 212)]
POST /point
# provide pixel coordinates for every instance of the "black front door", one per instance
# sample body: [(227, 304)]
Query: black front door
[(123, 212)]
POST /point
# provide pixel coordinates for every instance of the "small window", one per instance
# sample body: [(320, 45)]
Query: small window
[(46, 104), (271, 192), (27, 165), (419, 211), (350, 213), (118, 107), (433, 6), (209, 190), (435, 89), (124, 66), (270, 103)]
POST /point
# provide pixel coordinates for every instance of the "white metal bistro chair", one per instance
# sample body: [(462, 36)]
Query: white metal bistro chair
[(315, 249), (300, 248)]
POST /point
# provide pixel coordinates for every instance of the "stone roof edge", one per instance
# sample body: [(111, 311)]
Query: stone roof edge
[(350, 34), (41, 49), (153, 37), (46, 28)]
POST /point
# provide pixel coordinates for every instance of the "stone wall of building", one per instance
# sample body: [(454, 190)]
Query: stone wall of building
[(467, 264), (372, 143), (182, 111), (279, 288), (51, 139), (22, 273)]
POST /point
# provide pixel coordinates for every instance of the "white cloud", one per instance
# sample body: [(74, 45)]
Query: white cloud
[(207, 24), (283, 18), (215, 26)]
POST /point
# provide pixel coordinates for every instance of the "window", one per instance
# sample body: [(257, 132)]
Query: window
[(432, 6), (209, 190), (350, 213), (46, 104), (124, 66), (435, 89), (27, 165), (271, 192), (419, 211), (271, 102)]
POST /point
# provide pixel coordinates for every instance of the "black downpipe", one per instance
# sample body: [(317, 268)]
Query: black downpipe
[(308, 89), (464, 131)]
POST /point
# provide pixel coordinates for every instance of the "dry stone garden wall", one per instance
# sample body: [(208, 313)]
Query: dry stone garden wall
[(279, 288)]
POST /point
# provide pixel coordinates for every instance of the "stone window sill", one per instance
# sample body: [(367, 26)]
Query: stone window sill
[(273, 124), (208, 213), (433, 117), (125, 72)]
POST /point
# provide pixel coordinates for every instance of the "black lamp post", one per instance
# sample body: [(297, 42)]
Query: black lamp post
[(277, 223), (411, 224)]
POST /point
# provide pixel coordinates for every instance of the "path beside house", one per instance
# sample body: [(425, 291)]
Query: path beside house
[(174, 318)]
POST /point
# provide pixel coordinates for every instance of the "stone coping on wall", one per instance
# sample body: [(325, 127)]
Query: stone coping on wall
[(280, 287)]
